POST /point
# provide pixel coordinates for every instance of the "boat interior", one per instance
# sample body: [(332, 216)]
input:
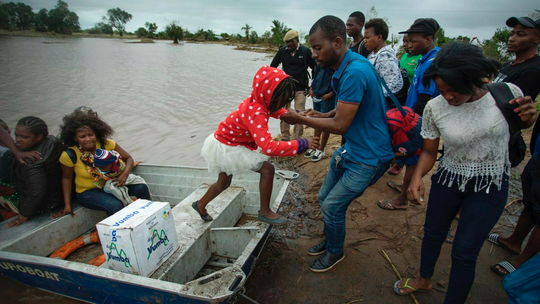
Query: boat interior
[(211, 256)]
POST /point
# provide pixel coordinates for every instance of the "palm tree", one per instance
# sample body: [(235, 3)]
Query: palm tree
[(279, 29), (247, 28)]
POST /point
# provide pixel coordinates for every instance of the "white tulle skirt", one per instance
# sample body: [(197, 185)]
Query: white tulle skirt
[(230, 159)]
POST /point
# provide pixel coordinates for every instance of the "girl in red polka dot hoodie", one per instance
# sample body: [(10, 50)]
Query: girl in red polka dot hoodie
[(233, 148)]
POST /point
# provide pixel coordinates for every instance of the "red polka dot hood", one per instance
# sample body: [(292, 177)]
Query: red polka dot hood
[(248, 126)]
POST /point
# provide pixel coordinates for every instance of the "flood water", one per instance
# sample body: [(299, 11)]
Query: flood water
[(161, 99)]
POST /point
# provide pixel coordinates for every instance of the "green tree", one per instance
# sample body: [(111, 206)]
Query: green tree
[(151, 28), (23, 16), (141, 32), (174, 31), (496, 46), (41, 20), (254, 37), (440, 38), (7, 11), (247, 28), (279, 29), (373, 13), (117, 18), (62, 20)]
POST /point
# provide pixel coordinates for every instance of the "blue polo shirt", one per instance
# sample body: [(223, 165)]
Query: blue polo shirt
[(417, 87), (368, 139)]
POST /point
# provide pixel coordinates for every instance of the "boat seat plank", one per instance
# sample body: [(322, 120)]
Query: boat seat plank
[(194, 234), (41, 235)]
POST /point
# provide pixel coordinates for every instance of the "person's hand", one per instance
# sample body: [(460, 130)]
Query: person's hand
[(526, 109), (314, 114), (291, 117), (327, 96), (34, 156), (67, 210), (135, 164), (313, 143), (121, 180), (306, 92), (311, 92), (415, 192)]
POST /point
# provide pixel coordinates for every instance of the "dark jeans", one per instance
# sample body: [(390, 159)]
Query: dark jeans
[(97, 199), (480, 211), (346, 180)]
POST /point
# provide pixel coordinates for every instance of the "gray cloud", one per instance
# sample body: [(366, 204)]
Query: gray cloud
[(458, 17)]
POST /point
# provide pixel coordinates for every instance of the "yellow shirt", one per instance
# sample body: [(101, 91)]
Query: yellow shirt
[(83, 179)]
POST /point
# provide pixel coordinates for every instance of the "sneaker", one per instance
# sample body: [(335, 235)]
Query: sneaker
[(317, 249), (318, 155), (326, 261), (309, 153), (395, 170)]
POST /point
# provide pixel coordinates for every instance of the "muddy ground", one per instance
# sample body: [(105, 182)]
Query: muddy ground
[(282, 272)]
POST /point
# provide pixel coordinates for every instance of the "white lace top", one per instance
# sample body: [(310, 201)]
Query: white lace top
[(475, 139), (387, 66)]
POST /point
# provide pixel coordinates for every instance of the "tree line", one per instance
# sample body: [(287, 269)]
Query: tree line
[(63, 21)]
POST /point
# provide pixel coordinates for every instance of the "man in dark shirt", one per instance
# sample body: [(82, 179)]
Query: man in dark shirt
[(355, 24), (524, 71), (295, 59)]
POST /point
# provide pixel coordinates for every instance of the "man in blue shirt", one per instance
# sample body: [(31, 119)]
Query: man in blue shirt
[(421, 37), (360, 116), (420, 42)]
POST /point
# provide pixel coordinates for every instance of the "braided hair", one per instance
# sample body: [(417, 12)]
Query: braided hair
[(284, 92), (77, 120), (34, 125)]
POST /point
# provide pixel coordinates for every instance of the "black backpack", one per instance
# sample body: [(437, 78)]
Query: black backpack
[(516, 146)]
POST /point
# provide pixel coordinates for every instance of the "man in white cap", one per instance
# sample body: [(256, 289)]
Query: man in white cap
[(295, 59)]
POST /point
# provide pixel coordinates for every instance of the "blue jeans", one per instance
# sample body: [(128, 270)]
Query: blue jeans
[(480, 211), (345, 181), (97, 199)]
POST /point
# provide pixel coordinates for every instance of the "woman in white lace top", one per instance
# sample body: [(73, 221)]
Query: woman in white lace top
[(473, 173)]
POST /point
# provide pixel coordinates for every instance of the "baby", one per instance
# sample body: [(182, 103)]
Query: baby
[(109, 164)]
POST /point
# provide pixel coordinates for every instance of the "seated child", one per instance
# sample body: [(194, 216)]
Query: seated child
[(110, 166), (232, 149)]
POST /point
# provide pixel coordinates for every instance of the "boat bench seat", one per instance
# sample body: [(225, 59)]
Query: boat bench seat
[(194, 234), (41, 235)]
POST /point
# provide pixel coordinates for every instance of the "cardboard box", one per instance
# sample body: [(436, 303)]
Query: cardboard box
[(138, 238)]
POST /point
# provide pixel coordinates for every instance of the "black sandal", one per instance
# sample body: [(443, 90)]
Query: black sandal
[(206, 218)]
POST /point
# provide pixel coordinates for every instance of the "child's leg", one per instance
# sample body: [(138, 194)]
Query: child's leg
[(266, 184), (223, 182)]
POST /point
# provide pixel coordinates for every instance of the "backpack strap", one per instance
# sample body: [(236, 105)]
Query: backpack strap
[(72, 155), (381, 81), (502, 95)]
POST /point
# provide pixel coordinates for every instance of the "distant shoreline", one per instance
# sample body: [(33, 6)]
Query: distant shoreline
[(256, 48)]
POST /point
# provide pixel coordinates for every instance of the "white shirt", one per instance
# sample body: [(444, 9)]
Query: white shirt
[(387, 65), (475, 136)]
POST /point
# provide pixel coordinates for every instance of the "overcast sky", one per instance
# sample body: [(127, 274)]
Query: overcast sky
[(470, 18)]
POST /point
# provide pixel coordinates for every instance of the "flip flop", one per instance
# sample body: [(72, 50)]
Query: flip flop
[(449, 235), (287, 174), (394, 186), (279, 221), (397, 289), (494, 238), (506, 266), (385, 204)]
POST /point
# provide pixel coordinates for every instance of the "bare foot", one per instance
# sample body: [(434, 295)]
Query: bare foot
[(417, 284), (16, 222)]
